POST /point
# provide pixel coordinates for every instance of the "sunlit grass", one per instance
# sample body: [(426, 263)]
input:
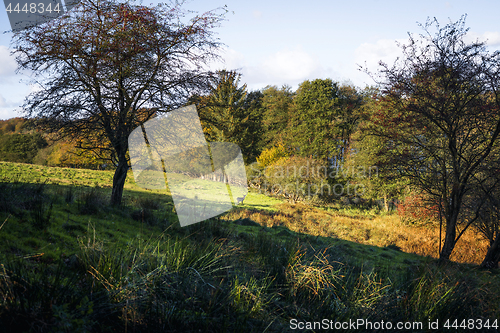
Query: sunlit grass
[(377, 230)]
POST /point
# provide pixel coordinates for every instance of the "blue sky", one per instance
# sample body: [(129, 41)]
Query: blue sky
[(278, 42)]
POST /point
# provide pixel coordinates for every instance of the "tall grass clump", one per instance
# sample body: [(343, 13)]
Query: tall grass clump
[(251, 297), (275, 256), (18, 198), (69, 195), (146, 281), (311, 278), (40, 208), (148, 203), (145, 213), (42, 298), (91, 202), (438, 293), (13, 196)]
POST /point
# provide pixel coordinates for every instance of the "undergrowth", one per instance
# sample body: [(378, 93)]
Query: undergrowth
[(171, 284)]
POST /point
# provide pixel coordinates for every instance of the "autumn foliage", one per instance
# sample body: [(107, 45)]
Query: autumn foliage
[(415, 208)]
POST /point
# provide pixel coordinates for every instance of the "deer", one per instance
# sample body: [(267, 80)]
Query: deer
[(240, 199)]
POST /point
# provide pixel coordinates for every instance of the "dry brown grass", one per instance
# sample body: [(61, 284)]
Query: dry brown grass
[(378, 231)]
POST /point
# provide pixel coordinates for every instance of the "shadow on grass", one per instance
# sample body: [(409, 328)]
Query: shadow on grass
[(245, 271)]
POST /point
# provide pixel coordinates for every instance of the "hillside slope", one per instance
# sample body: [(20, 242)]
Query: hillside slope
[(71, 263)]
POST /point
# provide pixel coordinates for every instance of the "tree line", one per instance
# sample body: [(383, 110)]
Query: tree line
[(22, 144), (316, 121)]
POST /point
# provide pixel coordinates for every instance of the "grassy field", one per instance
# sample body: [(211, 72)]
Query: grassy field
[(71, 263)]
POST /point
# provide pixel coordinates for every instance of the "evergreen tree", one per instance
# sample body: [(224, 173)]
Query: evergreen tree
[(277, 104), (315, 116), (231, 114)]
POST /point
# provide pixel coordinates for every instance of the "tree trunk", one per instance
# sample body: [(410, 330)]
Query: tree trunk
[(493, 255), (449, 239), (119, 181), (451, 217)]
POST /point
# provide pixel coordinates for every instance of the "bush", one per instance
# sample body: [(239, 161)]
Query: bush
[(416, 209), (297, 178), (271, 155)]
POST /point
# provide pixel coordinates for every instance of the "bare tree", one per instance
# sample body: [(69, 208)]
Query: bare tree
[(440, 119), (487, 195), (107, 67), (489, 226)]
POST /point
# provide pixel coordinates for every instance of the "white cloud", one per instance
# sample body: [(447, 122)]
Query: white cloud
[(7, 113), (290, 65), (7, 64), (11, 99), (4, 103), (287, 66), (492, 38), (257, 14), (7, 108), (386, 50), (368, 55), (233, 60)]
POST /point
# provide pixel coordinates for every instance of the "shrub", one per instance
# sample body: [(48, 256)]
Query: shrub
[(20, 147), (271, 155), (416, 208), (297, 178)]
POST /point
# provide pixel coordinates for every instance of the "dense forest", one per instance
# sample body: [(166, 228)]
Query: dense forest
[(318, 120)]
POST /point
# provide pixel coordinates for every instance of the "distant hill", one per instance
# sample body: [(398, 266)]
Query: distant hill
[(11, 126), (23, 145), (17, 144)]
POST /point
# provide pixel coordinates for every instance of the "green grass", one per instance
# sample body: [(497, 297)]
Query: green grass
[(71, 263), (259, 201)]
